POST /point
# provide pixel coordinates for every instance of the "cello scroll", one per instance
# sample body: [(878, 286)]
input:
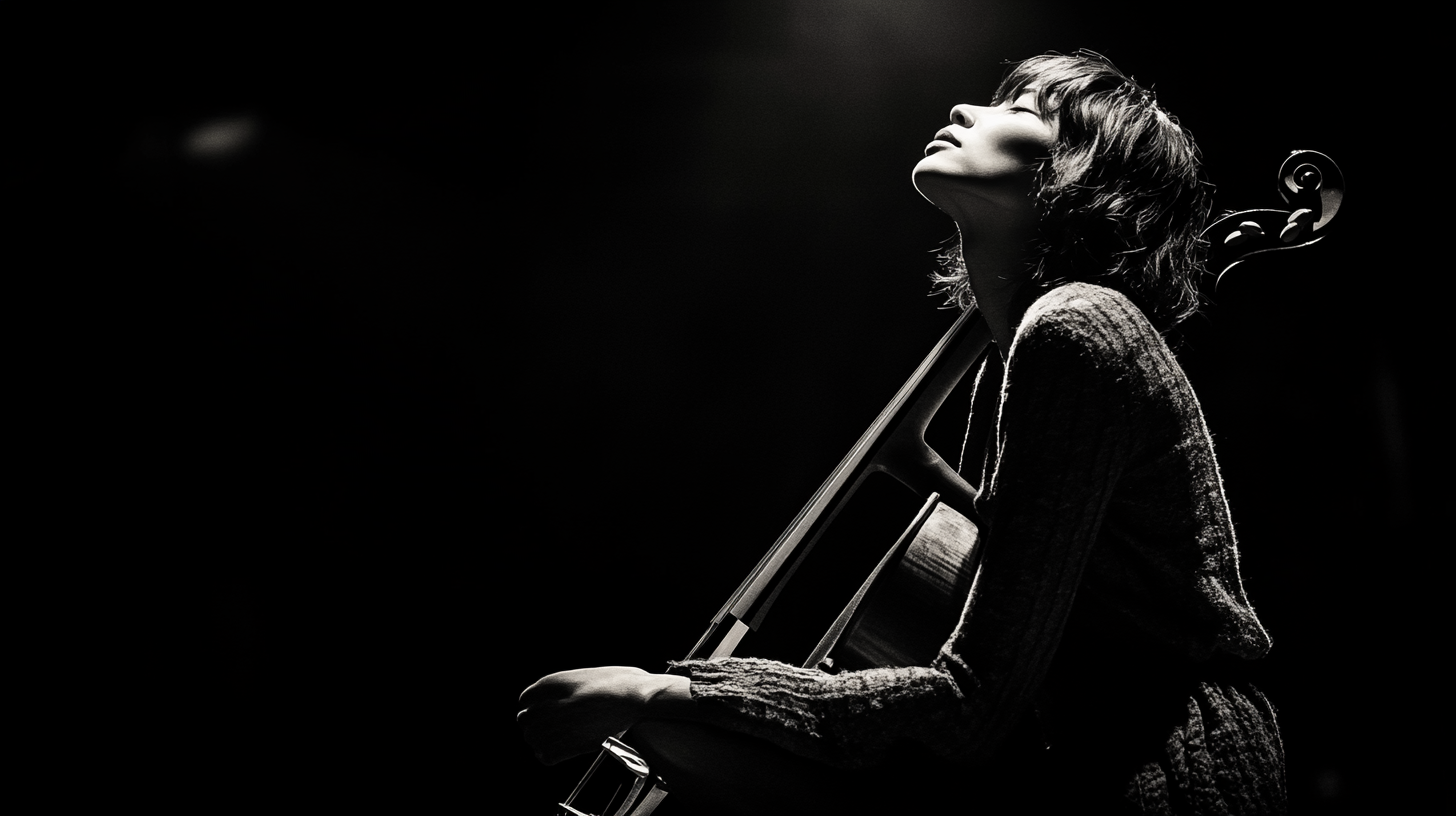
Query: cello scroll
[(1313, 187)]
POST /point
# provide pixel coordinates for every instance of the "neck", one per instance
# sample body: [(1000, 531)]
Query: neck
[(997, 272)]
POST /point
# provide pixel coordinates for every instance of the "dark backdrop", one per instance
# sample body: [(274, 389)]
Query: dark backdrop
[(445, 352)]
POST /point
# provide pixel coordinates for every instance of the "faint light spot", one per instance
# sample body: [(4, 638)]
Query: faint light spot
[(1327, 784), (221, 138)]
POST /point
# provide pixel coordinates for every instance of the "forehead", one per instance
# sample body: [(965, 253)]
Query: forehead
[(1051, 79), (1017, 81)]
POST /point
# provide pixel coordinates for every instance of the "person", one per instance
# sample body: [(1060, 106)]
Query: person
[(1102, 655)]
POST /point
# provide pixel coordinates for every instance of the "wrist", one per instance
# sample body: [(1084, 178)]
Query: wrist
[(669, 696)]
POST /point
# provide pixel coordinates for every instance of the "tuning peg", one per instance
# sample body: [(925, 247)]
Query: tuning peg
[(1245, 231), (1298, 221)]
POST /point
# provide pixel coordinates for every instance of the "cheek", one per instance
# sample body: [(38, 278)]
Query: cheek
[(1026, 148)]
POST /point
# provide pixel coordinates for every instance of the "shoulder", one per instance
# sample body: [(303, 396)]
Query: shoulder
[(1085, 308), (1092, 342), (1088, 321)]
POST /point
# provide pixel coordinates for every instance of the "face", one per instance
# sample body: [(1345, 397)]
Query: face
[(986, 155)]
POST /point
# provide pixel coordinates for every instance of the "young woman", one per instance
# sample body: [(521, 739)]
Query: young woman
[(1098, 659)]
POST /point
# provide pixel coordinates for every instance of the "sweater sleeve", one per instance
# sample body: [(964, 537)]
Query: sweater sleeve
[(1062, 439)]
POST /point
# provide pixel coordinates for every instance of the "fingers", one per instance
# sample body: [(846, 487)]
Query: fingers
[(547, 723), (558, 686), (534, 693), (570, 713), (564, 684), (553, 686)]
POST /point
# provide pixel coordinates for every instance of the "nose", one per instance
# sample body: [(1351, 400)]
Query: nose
[(963, 115)]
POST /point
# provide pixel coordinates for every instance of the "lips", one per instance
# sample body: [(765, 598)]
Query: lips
[(942, 139)]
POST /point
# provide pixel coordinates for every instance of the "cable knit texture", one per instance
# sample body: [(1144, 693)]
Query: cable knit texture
[(1100, 487)]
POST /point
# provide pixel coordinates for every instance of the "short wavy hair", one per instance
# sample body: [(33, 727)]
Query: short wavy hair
[(1122, 198)]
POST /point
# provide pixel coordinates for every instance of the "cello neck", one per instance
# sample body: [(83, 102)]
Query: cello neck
[(895, 444)]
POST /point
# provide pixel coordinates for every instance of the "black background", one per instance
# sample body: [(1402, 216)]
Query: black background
[(507, 345)]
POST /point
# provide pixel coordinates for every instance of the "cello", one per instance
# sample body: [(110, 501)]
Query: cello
[(905, 609)]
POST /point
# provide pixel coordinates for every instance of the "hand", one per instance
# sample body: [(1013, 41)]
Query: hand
[(570, 713)]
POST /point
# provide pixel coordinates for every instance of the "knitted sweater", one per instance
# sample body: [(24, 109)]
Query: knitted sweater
[(1103, 502)]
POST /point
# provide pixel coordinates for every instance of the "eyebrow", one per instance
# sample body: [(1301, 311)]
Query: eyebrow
[(1032, 92)]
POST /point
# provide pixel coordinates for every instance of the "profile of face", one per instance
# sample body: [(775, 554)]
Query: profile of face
[(982, 164)]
